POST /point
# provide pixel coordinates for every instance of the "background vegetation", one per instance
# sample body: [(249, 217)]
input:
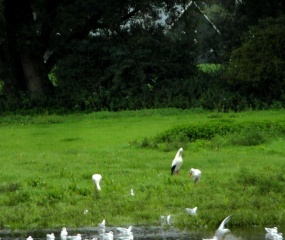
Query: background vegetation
[(66, 56), (47, 162)]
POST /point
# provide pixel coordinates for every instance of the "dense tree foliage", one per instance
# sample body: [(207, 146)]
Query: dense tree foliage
[(136, 69), (257, 68), (114, 55)]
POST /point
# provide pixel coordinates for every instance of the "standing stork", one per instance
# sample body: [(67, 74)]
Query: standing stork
[(177, 162)]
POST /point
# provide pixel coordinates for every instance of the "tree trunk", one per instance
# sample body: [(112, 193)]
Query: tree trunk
[(35, 74), (27, 64)]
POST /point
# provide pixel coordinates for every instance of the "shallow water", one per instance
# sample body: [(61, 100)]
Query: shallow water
[(139, 232)]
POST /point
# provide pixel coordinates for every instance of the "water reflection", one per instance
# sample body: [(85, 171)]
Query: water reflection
[(140, 232)]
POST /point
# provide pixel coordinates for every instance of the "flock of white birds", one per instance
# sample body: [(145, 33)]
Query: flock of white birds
[(122, 234), (127, 234)]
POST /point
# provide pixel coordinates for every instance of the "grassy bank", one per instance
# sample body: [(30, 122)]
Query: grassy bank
[(47, 162)]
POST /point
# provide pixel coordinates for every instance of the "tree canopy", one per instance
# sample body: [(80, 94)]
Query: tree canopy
[(130, 54)]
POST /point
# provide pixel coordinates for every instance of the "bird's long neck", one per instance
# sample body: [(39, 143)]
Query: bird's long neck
[(98, 186)]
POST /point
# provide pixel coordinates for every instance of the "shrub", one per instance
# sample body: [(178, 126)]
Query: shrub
[(245, 133), (248, 137)]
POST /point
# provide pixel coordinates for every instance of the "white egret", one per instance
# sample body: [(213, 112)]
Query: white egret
[(108, 236), (76, 237), (29, 238), (221, 231), (50, 236), (63, 233), (192, 211), (271, 230), (128, 236), (168, 219), (96, 178), (272, 234), (162, 220), (195, 174), (124, 231), (177, 162), (102, 226)]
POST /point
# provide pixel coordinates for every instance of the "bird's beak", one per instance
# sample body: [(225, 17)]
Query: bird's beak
[(190, 174)]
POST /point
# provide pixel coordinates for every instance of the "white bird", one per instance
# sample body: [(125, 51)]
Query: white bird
[(177, 162), (192, 211), (278, 236), (63, 233), (50, 236), (272, 234), (96, 178), (221, 231), (271, 230), (124, 231), (29, 238), (168, 219), (128, 236), (195, 174), (108, 236), (162, 220), (102, 224), (76, 237), (101, 227)]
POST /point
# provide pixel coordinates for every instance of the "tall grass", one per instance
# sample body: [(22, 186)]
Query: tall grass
[(47, 162)]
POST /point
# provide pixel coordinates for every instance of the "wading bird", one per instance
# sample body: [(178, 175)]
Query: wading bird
[(195, 174), (271, 230), (63, 234), (96, 178), (50, 236), (177, 162), (102, 226), (273, 234), (192, 211), (221, 231), (168, 219), (76, 237), (124, 231), (108, 236), (129, 236)]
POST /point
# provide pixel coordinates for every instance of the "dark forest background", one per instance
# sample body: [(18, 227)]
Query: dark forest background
[(92, 55)]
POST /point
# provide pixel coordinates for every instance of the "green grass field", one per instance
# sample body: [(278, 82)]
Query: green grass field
[(47, 162)]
